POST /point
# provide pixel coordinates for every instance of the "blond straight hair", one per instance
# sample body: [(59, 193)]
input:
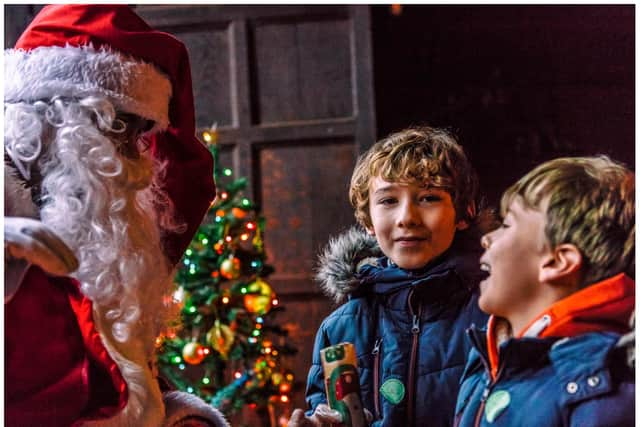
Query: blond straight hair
[(590, 202)]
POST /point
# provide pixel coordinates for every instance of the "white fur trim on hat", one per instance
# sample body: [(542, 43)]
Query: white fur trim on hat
[(44, 72)]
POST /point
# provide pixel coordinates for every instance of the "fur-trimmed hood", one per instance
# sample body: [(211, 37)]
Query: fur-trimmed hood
[(353, 259), (342, 258)]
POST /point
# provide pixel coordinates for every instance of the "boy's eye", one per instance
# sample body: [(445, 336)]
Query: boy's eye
[(387, 201), (430, 198)]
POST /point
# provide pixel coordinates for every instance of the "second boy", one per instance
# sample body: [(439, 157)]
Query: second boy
[(560, 291)]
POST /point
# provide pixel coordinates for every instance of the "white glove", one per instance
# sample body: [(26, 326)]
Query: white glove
[(28, 241), (321, 417)]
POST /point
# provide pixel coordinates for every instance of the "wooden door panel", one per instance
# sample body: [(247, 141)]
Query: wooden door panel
[(211, 75), (291, 89), (303, 70), (303, 197), (302, 324)]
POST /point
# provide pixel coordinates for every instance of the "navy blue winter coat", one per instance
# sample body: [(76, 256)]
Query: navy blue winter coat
[(579, 382), (407, 327)]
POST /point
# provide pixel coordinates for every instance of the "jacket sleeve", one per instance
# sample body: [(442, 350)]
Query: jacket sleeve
[(315, 393)]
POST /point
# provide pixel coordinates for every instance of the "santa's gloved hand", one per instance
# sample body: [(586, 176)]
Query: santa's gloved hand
[(321, 417), (29, 241)]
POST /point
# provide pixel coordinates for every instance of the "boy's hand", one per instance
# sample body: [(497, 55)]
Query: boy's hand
[(323, 416)]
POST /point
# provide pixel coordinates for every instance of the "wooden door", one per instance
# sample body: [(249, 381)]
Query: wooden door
[(290, 88)]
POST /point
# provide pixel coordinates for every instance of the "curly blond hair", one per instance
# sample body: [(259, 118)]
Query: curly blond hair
[(424, 155)]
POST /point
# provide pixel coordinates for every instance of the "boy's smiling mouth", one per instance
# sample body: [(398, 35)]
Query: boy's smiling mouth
[(410, 240)]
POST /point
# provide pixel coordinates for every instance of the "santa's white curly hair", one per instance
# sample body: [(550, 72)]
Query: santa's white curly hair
[(110, 210)]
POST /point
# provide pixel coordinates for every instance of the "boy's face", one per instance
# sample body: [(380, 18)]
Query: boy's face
[(413, 224), (513, 257)]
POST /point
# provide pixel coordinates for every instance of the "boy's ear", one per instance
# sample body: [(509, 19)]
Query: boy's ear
[(462, 225), (371, 231), (561, 265), (471, 211)]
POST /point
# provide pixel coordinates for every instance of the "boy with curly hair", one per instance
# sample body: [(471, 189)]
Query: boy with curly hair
[(408, 283), (560, 294)]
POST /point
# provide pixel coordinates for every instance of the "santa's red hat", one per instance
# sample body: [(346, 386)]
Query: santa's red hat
[(80, 50)]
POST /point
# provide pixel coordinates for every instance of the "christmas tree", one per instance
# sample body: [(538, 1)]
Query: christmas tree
[(227, 347)]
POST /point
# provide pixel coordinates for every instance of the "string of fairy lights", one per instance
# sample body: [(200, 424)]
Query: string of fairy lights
[(227, 347)]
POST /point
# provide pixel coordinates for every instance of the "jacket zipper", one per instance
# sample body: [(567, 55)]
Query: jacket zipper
[(415, 331), (376, 376), (485, 396)]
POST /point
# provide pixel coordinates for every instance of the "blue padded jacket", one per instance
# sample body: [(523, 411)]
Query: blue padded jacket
[(407, 327), (579, 382)]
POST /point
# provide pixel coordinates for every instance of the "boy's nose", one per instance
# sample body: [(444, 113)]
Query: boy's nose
[(485, 241), (408, 216)]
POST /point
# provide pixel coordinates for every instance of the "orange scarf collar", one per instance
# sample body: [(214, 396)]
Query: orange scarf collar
[(604, 306)]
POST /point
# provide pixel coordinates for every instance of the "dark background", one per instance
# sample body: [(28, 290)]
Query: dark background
[(519, 84)]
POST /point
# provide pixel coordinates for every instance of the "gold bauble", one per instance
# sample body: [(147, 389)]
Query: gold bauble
[(221, 338), (258, 298), (277, 378)]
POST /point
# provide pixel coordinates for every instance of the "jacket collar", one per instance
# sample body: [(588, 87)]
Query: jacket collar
[(352, 261), (604, 306), (572, 358), (449, 277)]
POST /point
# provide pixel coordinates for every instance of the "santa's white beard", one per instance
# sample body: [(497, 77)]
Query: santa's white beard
[(101, 204), (111, 227), (105, 208)]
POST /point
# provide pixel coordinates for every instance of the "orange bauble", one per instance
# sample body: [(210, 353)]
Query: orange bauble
[(230, 268), (193, 353)]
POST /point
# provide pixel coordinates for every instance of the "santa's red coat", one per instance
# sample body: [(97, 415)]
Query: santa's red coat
[(57, 371)]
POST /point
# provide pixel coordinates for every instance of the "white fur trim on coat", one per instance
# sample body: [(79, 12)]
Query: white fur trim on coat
[(181, 406), (132, 85)]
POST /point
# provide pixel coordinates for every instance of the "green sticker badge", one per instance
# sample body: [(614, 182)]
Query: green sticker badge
[(392, 390), (496, 403)]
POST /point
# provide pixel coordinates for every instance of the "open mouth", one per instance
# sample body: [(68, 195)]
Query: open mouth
[(485, 269)]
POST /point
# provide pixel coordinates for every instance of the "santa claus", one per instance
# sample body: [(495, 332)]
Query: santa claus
[(105, 185)]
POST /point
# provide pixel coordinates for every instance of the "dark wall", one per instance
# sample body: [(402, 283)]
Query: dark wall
[(16, 19), (518, 84)]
